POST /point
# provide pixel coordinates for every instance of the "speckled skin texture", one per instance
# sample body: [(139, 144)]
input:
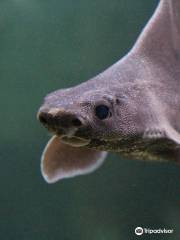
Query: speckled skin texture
[(142, 91)]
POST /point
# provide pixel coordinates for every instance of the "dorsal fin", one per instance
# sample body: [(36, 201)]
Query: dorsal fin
[(161, 36)]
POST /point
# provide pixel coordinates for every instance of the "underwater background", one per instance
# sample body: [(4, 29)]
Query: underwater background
[(46, 45)]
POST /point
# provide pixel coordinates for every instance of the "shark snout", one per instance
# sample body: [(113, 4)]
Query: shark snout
[(60, 120)]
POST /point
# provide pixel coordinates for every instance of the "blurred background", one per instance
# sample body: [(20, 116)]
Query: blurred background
[(46, 45)]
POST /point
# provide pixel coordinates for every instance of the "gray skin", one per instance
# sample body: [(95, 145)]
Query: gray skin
[(142, 94)]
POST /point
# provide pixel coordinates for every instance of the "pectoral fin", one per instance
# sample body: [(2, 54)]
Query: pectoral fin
[(60, 160)]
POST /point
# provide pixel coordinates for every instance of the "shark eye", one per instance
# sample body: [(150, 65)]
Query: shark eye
[(102, 112)]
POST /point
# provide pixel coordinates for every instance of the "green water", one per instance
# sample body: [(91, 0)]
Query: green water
[(46, 45)]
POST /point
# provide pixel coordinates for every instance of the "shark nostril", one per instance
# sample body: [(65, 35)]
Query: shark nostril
[(76, 122)]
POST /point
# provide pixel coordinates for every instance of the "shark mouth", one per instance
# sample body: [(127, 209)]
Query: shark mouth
[(74, 141)]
